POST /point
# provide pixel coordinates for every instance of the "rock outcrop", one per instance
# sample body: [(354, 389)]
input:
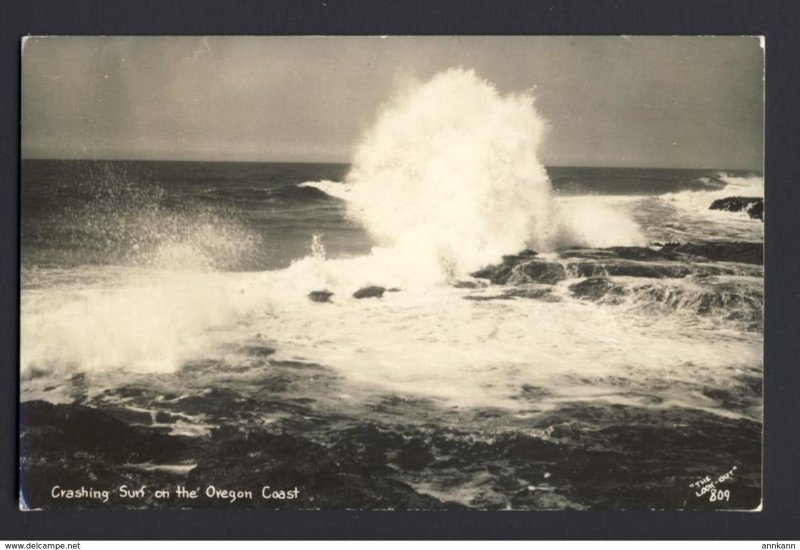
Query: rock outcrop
[(739, 252), (321, 296), (369, 292), (753, 206)]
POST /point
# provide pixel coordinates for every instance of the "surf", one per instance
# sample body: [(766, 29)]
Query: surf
[(449, 179)]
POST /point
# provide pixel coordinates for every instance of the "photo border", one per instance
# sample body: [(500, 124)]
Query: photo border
[(777, 21)]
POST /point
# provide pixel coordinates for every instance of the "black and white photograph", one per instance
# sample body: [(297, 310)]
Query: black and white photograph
[(392, 272)]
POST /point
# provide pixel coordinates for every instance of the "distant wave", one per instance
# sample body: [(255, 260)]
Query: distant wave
[(698, 202), (333, 189)]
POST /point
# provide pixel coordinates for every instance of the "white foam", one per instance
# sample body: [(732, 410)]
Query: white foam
[(594, 221), (698, 202), (448, 180)]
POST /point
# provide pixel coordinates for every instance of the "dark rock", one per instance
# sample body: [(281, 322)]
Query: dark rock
[(741, 252), (524, 255), (129, 416), (628, 268), (367, 445), (639, 253), (129, 391), (326, 476), (163, 417), (369, 292), (320, 296), (74, 445), (753, 206), (593, 288), (218, 403), (738, 302), (521, 269), (414, 456), (529, 391), (496, 274), (537, 271), (499, 274), (49, 428), (669, 252)]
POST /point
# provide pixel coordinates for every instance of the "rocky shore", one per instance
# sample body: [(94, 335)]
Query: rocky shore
[(721, 280), (259, 442), (563, 460)]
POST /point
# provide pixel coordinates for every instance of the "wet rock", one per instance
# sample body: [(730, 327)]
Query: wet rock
[(753, 206), (128, 391), (130, 416), (593, 288), (737, 302), (627, 268), (529, 391), (414, 456), (163, 417), (326, 477), (217, 403), (368, 446), (321, 296), (520, 269), (638, 253), (498, 274), (49, 428), (537, 271), (524, 255), (369, 292), (741, 252), (624, 256), (74, 445)]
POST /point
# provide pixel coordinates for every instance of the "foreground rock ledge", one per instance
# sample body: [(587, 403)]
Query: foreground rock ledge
[(670, 261)]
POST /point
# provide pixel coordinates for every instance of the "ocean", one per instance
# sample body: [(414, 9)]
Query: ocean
[(168, 338)]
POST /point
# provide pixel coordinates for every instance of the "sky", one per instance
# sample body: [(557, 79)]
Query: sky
[(692, 102)]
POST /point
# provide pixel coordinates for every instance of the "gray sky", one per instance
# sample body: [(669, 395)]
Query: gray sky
[(641, 101)]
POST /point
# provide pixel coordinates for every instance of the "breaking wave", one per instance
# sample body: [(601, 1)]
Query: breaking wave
[(698, 202), (448, 180)]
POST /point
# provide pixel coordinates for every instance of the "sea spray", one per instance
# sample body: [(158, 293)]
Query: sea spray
[(317, 248), (595, 222), (448, 180), (449, 177), (122, 217)]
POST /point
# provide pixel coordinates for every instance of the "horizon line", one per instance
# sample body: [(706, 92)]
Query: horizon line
[(344, 163)]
